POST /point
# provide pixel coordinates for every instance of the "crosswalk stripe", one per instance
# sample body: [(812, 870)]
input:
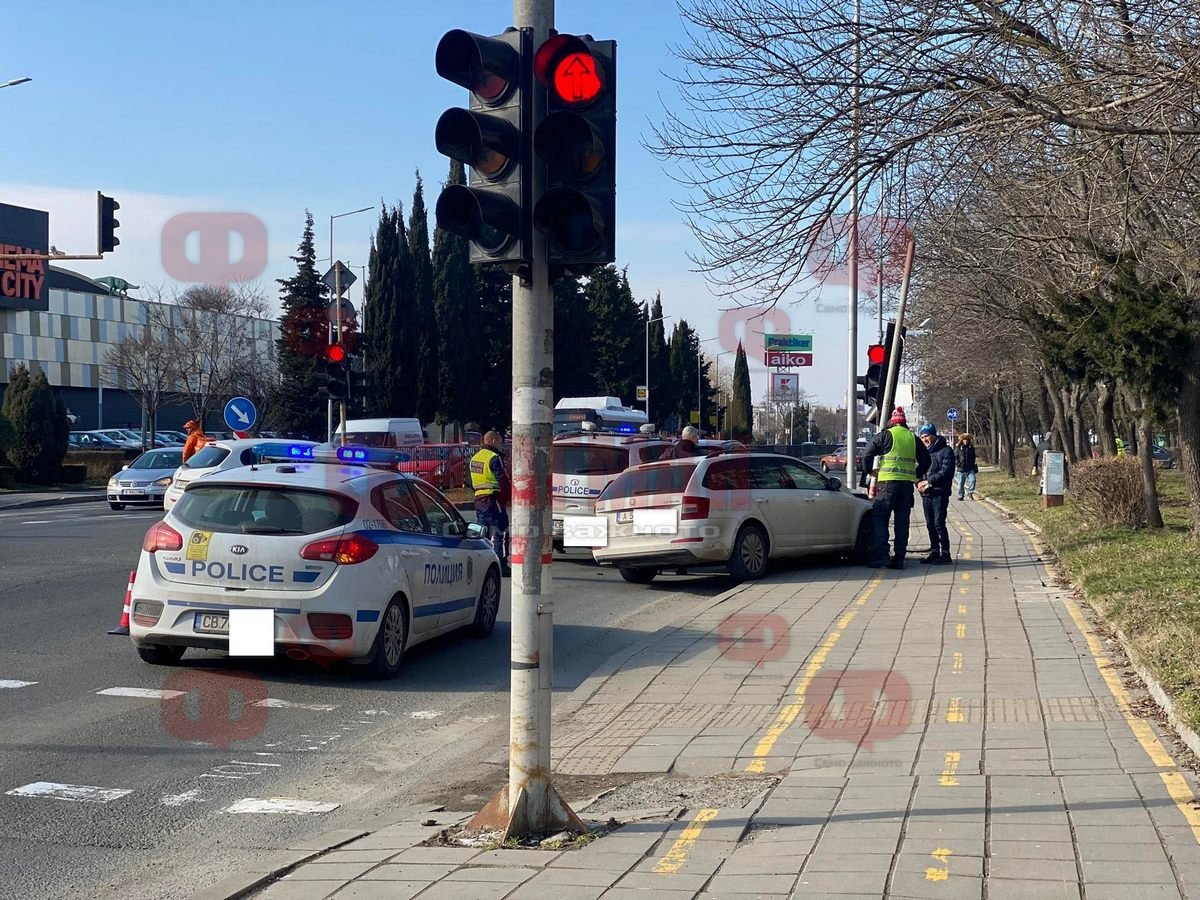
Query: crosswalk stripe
[(10, 683), (281, 805), (79, 793), (142, 693)]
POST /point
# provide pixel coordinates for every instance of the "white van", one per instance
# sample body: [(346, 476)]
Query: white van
[(385, 433)]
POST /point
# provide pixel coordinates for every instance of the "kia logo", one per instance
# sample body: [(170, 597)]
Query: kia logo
[(239, 549)]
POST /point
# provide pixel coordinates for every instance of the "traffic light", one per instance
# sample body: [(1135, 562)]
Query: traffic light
[(489, 139), (872, 382), (577, 140), (332, 380), (106, 228)]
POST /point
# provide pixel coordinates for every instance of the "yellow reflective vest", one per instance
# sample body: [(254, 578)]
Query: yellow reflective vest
[(900, 463), (483, 479)]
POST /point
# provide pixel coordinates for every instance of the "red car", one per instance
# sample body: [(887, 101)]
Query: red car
[(837, 459), (442, 465)]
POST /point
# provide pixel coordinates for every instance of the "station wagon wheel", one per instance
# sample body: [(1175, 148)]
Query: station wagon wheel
[(638, 576), (489, 605), (389, 642), (748, 561)]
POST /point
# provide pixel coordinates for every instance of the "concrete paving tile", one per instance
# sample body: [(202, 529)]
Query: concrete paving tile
[(1127, 872), (1112, 834), (844, 882), (914, 884), (1022, 850), (1020, 832), (842, 862), (531, 890), (435, 855), (653, 881), (301, 890), (751, 884), (1002, 889), (497, 874), (462, 890), (351, 856), (1125, 892), (618, 893), (740, 864), (409, 872), (381, 890), (1091, 852), (1013, 869), (338, 871), (532, 858)]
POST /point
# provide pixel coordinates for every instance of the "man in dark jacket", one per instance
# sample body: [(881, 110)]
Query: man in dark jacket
[(903, 461), (935, 493), (686, 445), (966, 464)]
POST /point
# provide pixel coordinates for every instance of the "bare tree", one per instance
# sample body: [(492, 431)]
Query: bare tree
[(141, 364)]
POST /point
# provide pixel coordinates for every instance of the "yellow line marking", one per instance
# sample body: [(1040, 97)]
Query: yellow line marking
[(966, 554), (962, 607), (792, 711), (958, 662), (932, 874), (954, 711), (963, 590), (966, 576), (942, 854), (1176, 785), (677, 855), (960, 630), (950, 769)]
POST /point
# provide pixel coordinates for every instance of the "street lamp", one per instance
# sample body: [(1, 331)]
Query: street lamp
[(15, 82), (338, 324), (717, 375), (650, 322)]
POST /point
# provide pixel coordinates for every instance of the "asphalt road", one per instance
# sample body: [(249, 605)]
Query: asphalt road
[(163, 773)]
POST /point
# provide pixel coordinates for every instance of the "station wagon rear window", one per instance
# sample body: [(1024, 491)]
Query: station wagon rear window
[(229, 508), (207, 457), (661, 479)]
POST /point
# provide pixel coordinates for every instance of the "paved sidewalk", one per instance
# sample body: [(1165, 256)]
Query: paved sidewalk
[(28, 500), (941, 732)]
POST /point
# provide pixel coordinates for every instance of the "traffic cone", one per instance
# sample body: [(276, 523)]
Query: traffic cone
[(123, 628)]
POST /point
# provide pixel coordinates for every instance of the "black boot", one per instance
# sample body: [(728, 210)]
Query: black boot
[(896, 563), (931, 558)]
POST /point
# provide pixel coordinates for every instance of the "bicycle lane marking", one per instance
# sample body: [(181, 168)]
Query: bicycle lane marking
[(792, 711)]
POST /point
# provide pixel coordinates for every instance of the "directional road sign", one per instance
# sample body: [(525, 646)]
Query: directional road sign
[(240, 414), (952, 414)]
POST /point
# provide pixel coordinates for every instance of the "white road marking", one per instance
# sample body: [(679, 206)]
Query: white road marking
[(8, 683), (281, 805), (276, 703), (82, 793), (424, 714), (38, 522), (192, 796), (143, 693)]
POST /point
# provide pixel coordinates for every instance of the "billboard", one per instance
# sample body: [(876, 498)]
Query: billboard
[(23, 281), (788, 343), (785, 387)]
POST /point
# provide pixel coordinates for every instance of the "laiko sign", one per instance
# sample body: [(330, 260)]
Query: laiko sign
[(788, 343), (23, 281), (776, 358)]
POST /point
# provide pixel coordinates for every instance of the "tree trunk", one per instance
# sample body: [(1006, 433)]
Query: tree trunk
[(1189, 432), (1058, 431), (1083, 448), (1146, 458), (1105, 427), (1006, 434)]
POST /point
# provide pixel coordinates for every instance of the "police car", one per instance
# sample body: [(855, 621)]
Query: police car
[(357, 563)]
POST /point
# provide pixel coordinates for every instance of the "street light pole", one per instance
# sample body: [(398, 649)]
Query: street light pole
[(699, 388), (650, 322), (332, 261), (14, 82), (852, 264)]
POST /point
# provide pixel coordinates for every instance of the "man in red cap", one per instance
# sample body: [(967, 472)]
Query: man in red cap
[(903, 460)]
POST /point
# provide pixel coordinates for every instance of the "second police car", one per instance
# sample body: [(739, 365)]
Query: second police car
[(357, 563)]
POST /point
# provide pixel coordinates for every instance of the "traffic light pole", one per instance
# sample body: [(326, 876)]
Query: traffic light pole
[(893, 369), (529, 804)]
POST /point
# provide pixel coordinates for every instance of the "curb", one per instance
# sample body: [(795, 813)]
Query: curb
[(277, 864), (55, 501), (1153, 687)]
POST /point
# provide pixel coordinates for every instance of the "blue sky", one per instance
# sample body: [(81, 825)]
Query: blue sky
[(272, 107)]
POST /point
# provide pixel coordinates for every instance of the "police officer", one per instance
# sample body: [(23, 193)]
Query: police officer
[(492, 487), (904, 460)]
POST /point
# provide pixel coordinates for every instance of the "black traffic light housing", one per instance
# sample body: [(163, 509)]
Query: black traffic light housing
[(332, 377), (879, 374), (577, 141), (106, 223), (489, 139)]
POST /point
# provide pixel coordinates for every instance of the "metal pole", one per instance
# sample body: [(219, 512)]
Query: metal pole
[(337, 299), (889, 387), (967, 407), (852, 262), (699, 394), (648, 365), (529, 804), (100, 397), (329, 404)]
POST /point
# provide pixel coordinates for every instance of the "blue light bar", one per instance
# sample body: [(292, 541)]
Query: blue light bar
[(371, 456), (627, 428), (284, 450)]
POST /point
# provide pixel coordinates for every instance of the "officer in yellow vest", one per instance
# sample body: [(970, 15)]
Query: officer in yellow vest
[(492, 487), (903, 462)]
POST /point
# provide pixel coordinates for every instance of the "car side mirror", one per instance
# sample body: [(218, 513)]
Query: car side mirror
[(834, 484), (474, 531), (123, 468)]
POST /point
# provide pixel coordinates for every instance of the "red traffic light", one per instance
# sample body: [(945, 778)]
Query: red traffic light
[(876, 354), (566, 65), (335, 353)]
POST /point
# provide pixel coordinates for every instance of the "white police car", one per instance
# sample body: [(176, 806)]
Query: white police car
[(357, 564)]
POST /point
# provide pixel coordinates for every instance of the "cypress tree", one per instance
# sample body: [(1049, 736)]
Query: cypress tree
[(663, 389), (616, 342), (741, 412), (456, 309), (491, 362), (303, 298), (424, 334), (393, 335), (574, 332)]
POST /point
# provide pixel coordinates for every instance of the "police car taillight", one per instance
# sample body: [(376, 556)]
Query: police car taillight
[(162, 536), (354, 548)]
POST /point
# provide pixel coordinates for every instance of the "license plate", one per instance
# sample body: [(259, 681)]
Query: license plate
[(625, 517), (133, 492), (211, 623)]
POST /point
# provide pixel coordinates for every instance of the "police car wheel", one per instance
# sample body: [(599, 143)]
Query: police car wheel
[(489, 605), (389, 642), (161, 655), (116, 506)]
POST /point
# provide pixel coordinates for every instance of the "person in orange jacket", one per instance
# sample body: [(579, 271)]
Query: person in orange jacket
[(195, 438)]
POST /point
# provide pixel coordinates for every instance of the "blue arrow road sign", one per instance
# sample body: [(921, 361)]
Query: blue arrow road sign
[(240, 414), (952, 414)]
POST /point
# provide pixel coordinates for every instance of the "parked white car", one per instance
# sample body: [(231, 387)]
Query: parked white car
[(219, 456), (738, 510)]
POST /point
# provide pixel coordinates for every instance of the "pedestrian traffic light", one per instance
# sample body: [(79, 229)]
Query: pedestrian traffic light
[(106, 227), (577, 141), (332, 380), (490, 138)]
